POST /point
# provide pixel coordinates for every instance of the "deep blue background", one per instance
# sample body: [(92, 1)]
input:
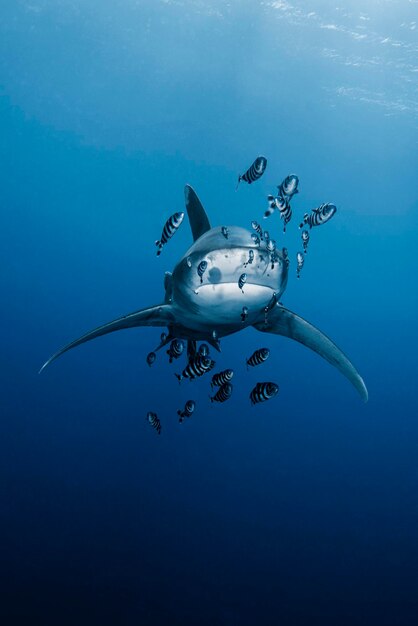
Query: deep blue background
[(301, 511)]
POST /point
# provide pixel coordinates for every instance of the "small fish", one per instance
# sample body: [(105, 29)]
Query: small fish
[(163, 337), (270, 306), (256, 226), (319, 216), (175, 350), (256, 239), (214, 335), (244, 314), (225, 232), (300, 261), (151, 358), (272, 206), (258, 357), (223, 393), (250, 258), (221, 378), (170, 227), (271, 245), (285, 210), (241, 281), (271, 248), (152, 418), (289, 187), (201, 269), (254, 172), (198, 366), (204, 349), (285, 254), (189, 261), (266, 236), (189, 407), (263, 392), (305, 240)]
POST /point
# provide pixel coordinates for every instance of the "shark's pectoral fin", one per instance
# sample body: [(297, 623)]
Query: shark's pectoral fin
[(281, 321), (198, 219), (160, 315)]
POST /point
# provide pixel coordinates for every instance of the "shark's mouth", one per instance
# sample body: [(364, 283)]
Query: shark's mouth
[(220, 292)]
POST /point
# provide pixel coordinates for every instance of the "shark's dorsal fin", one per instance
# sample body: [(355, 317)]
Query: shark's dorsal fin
[(198, 219), (281, 321)]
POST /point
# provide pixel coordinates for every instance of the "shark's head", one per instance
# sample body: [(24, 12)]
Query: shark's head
[(216, 297)]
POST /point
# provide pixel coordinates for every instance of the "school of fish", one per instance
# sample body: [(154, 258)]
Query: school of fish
[(199, 361)]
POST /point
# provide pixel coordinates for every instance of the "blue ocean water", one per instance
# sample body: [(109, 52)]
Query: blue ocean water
[(300, 511)]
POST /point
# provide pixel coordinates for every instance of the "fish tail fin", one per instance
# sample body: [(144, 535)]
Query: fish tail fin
[(179, 377), (239, 180)]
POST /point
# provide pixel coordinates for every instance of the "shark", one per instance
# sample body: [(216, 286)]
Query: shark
[(209, 307)]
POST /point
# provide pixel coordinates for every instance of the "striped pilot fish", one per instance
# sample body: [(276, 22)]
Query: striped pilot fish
[(269, 307), (204, 349), (175, 350), (223, 393), (250, 258), (256, 239), (271, 249), (221, 378), (244, 313), (151, 358), (319, 216), (189, 407), (225, 232), (300, 261), (263, 392), (256, 226), (201, 269), (196, 367), (285, 210), (271, 206), (289, 187), (259, 356), (285, 254), (254, 172), (170, 227), (305, 240), (241, 281), (152, 418)]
